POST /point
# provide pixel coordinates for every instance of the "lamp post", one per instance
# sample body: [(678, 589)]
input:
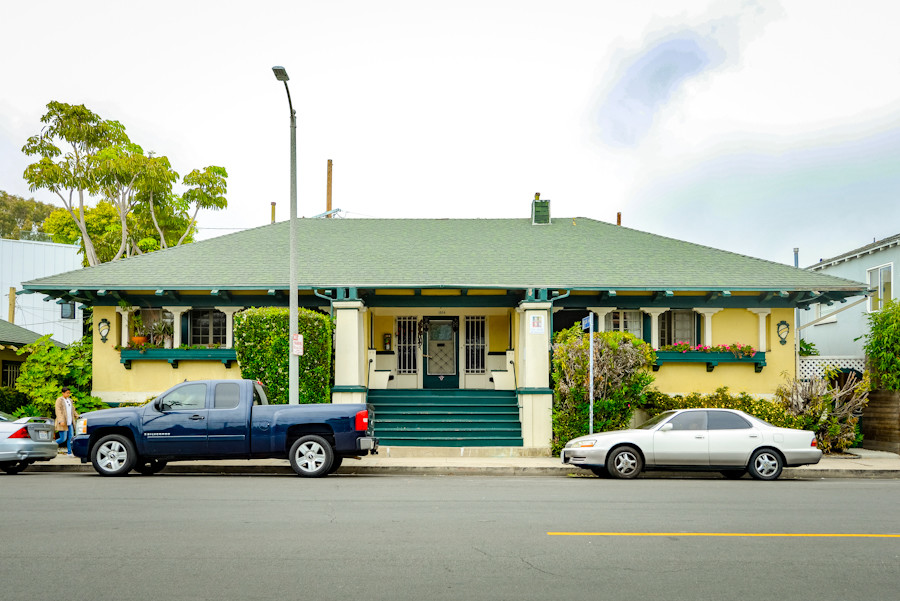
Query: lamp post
[(293, 360)]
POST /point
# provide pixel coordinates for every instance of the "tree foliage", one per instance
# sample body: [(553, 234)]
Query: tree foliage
[(882, 346), (261, 341), (82, 156), (22, 219), (621, 378)]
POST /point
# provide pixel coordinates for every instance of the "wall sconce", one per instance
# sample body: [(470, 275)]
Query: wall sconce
[(782, 330), (103, 329)]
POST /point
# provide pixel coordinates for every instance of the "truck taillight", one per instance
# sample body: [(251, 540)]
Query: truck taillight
[(362, 420), (23, 433)]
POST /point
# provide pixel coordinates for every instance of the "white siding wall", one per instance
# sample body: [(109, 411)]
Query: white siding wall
[(22, 261)]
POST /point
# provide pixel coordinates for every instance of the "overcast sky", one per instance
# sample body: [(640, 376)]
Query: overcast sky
[(752, 126)]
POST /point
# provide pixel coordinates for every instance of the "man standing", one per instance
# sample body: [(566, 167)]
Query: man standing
[(65, 419)]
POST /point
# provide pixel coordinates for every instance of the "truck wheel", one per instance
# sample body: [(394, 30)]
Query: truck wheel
[(311, 456), (148, 467), (336, 464), (113, 455)]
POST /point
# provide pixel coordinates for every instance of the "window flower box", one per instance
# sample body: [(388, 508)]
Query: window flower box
[(226, 355), (758, 360)]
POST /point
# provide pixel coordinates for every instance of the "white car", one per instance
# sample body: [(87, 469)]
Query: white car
[(724, 440), (24, 441)]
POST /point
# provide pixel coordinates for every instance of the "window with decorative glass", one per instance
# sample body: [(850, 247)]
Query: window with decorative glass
[(207, 327), (678, 325), (880, 279), (625, 321)]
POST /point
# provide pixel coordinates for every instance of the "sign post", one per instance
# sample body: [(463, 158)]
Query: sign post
[(588, 324)]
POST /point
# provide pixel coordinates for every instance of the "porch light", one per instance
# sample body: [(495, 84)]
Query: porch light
[(103, 329)]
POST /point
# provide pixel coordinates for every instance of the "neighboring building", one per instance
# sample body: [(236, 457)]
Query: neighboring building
[(23, 260), (451, 316), (837, 327), (12, 338)]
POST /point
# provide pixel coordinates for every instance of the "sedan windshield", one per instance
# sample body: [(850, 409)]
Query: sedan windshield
[(650, 423)]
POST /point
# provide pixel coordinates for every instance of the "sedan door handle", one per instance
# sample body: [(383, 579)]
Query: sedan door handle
[(197, 417), (754, 436), (699, 436)]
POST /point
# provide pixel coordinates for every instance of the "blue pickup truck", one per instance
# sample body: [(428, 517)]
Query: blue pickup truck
[(222, 419)]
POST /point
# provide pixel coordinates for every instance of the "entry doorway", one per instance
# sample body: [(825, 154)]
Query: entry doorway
[(441, 359)]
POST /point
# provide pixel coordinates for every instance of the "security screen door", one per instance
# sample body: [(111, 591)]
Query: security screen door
[(441, 360)]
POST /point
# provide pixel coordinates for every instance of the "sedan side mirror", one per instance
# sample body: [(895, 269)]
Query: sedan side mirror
[(666, 427)]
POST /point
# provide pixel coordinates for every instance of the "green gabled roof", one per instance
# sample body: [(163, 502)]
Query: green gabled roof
[(568, 253), (17, 336)]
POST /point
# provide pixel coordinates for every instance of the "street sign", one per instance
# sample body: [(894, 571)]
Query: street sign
[(587, 323), (297, 345)]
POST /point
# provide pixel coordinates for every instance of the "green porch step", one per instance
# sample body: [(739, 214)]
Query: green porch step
[(447, 417)]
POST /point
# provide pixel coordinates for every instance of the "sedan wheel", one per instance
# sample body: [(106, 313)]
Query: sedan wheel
[(624, 462), (113, 455), (311, 456), (765, 464), (13, 467)]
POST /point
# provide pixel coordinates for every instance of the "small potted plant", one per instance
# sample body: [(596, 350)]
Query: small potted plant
[(162, 332), (138, 330)]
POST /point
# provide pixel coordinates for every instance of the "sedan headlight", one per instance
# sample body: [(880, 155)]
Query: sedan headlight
[(582, 444), (81, 426)]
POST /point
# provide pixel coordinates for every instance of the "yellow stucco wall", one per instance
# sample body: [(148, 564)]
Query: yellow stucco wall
[(731, 326), (498, 333)]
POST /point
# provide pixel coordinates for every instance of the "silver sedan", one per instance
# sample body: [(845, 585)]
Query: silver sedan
[(724, 440), (24, 441)]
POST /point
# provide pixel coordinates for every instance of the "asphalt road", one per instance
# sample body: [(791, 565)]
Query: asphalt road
[(81, 536)]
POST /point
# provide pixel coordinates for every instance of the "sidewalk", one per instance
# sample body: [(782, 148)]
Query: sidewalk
[(862, 463)]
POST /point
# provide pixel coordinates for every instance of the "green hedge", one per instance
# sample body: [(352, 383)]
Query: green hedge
[(771, 411), (261, 343), (11, 399)]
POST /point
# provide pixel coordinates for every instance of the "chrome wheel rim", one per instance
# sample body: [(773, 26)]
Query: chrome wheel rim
[(626, 463), (112, 456), (766, 465), (310, 456)]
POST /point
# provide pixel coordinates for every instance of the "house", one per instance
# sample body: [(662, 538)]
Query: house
[(837, 328), (12, 338), (445, 324), (23, 260)]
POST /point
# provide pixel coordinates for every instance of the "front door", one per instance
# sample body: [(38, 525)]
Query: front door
[(441, 357)]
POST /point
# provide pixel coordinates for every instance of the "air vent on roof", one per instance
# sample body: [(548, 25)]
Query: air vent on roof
[(540, 210)]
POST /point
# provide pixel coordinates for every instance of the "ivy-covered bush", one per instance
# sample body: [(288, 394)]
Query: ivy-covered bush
[(261, 341), (621, 377), (11, 399), (772, 412), (48, 368), (882, 346)]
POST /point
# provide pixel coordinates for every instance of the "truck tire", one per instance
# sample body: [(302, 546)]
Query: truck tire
[(336, 464), (113, 455), (311, 456)]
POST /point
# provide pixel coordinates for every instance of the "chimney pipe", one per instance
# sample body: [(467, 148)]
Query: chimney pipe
[(796, 257), (328, 192), (273, 212), (619, 218)]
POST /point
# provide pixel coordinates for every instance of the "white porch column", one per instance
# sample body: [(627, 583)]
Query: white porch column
[(349, 352), (707, 314), (654, 313), (601, 313), (229, 323), (762, 314), (535, 395), (126, 318), (176, 312)]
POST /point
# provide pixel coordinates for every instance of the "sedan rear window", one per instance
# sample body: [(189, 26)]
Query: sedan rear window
[(725, 420)]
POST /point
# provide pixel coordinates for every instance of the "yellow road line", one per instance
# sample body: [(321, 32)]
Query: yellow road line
[(735, 534)]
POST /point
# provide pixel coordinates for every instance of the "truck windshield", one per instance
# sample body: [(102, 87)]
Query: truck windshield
[(260, 394)]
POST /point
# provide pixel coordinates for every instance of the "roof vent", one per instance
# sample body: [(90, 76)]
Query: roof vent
[(540, 210)]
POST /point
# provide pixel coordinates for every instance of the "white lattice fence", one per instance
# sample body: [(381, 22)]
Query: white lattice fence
[(814, 367)]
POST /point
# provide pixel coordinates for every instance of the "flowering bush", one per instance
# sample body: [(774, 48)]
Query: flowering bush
[(737, 349)]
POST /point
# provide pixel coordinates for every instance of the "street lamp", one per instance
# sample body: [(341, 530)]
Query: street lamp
[(293, 360)]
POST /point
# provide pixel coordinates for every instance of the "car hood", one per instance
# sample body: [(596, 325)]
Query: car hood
[(114, 413), (601, 435)]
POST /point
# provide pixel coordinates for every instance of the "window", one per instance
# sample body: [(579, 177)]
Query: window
[(689, 420), (824, 310), (158, 324), (10, 373), (475, 345), (724, 420), (188, 397), (207, 327), (67, 310), (880, 280), (678, 326), (407, 343), (625, 321), (228, 395)]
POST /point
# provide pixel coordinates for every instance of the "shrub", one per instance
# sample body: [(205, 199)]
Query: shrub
[(621, 377), (261, 340), (11, 399), (882, 346), (772, 412)]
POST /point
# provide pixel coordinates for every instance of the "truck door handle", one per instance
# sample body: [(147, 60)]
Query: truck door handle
[(197, 417)]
